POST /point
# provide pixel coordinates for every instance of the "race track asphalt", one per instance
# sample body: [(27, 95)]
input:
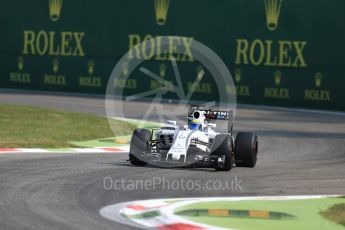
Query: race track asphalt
[(300, 153)]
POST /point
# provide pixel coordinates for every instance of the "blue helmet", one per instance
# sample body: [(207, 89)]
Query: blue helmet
[(195, 124)]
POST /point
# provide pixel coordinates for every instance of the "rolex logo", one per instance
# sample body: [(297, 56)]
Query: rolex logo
[(56, 65), (272, 8), (20, 62), (161, 8), (55, 9), (91, 67), (277, 78), (318, 80), (238, 75)]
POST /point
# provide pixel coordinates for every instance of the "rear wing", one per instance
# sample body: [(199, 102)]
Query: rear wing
[(214, 115)]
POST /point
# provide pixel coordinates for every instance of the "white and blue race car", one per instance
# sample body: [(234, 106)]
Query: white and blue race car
[(196, 144)]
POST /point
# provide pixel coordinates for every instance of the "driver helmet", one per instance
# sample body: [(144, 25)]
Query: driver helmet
[(195, 124)]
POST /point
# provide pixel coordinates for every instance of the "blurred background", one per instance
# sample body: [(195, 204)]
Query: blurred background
[(282, 53)]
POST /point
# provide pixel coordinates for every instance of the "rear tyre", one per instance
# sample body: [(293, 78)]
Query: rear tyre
[(246, 150), (222, 146), (139, 145)]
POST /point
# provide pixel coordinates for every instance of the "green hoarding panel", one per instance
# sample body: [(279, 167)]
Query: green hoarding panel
[(283, 53)]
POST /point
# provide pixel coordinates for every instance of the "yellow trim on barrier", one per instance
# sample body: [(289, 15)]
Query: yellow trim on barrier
[(218, 212), (259, 214)]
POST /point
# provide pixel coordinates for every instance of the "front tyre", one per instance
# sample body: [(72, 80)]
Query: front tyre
[(246, 149), (222, 147), (139, 145)]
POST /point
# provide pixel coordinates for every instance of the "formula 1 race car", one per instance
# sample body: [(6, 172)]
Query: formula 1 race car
[(196, 144)]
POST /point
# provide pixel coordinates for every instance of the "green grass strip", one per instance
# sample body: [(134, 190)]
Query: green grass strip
[(32, 127), (305, 214)]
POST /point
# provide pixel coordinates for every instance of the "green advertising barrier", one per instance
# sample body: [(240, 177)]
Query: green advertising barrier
[(283, 53)]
